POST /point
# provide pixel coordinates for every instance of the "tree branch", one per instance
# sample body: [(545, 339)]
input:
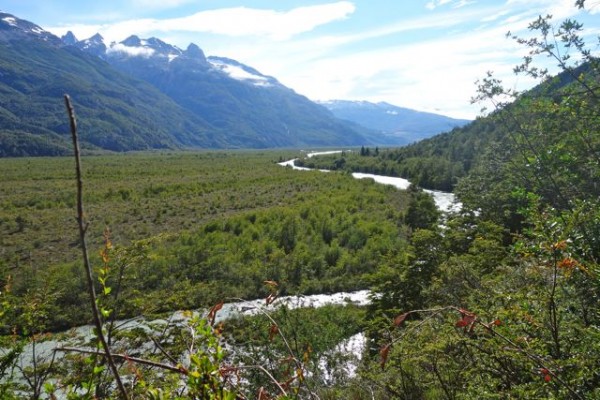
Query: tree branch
[(86, 260)]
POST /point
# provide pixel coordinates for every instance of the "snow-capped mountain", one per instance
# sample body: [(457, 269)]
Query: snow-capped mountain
[(397, 124), (94, 45), (156, 51), (145, 93), (254, 109), (16, 27), (241, 72)]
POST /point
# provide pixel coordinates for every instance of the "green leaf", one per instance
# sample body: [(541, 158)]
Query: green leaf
[(98, 369)]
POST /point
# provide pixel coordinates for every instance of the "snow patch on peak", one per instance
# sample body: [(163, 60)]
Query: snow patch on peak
[(10, 20), (93, 42), (134, 51), (238, 72), (135, 47)]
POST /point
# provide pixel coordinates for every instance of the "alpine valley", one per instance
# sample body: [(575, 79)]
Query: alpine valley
[(146, 94), (396, 125)]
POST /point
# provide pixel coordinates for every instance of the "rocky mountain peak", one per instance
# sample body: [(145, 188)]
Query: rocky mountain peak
[(94, 45), (69, 39), (11, 26), (132, 41), (195, 52)]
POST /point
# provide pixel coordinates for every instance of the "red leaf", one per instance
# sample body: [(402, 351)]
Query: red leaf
[(568, 263), (467, 321), (497, 322), (273, 330), (212, 313), (546, 373), (400, 319), (384, 352), (461, 323)]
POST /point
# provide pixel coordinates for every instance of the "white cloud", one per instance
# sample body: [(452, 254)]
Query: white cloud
[(463, 3), (159, 4), (457, 4), (593, 7), (235, 22), (436, 3), (437, 75), (559, 9), (132, 51), (278, 25)]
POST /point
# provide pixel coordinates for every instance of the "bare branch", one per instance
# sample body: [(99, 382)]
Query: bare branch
[(86, 261)]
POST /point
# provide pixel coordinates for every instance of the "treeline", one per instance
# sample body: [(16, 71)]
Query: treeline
[(436, 163)]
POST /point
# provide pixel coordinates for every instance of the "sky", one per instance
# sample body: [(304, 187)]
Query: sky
[(420, 54)]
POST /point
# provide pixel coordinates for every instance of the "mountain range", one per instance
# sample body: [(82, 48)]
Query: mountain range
[(147, 94), (396, 125)]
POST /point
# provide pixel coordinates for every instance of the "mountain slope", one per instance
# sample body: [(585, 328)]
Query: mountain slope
[(115, 112), (254, 109), (552, 128), (145, 94), (399, 125)]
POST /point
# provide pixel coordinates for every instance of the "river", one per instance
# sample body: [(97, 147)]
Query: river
[(444, 201), (81, 336)]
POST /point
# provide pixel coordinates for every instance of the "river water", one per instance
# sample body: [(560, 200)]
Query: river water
[(444, 201), (82, 336)]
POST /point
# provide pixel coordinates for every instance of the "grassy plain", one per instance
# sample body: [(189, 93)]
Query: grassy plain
[(213, 224), (137, 195)]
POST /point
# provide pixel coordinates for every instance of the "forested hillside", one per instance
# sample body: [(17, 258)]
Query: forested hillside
[(503, 136), (117, 112)]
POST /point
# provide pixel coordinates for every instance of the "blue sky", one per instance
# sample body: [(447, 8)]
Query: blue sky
[(421, 54)]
